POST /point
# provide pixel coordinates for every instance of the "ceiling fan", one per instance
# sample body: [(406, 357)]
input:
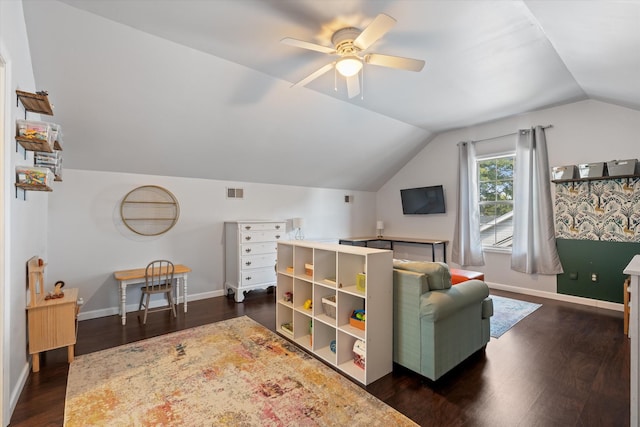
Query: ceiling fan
[(350, 45)]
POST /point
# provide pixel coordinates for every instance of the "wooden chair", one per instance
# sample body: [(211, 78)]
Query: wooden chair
[(158, 280), (627, 304)]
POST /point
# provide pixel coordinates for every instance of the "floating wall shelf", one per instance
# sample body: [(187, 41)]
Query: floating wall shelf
[(35, 102)]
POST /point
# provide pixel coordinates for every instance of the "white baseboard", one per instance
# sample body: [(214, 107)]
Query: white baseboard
[(560, 297), (94, 314), (17, 390), (104, 312)]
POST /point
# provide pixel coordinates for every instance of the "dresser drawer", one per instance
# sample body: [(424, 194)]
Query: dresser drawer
[(255, 277), (261, 236), (270, 226), (258, 248), (258, 261)]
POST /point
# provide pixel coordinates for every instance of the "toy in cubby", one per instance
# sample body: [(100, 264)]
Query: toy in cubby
[(358, 318)]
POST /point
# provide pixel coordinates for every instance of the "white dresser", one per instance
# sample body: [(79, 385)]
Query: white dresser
[(250, 255)]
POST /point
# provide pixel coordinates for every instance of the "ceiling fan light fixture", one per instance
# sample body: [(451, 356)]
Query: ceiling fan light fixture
[(349, 65)]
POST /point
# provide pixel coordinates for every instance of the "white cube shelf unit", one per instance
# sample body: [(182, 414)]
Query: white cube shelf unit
[(313, 271)]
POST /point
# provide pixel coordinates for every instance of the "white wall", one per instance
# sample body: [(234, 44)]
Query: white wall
[(583, 132), (25, 221), (88, 241)]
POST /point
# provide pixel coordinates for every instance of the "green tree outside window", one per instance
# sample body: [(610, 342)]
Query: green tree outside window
[(495, 187)]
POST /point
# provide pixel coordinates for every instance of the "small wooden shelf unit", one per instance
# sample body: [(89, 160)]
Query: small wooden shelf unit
[(52, 323)]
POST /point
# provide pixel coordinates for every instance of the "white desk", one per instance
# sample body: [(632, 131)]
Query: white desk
[(633, 269), (136, 275)]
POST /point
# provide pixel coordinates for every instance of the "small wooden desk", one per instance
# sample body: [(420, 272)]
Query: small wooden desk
[(136, 275), (365, 241)]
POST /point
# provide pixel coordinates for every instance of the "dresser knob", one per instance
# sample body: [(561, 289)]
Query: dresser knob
[(278, 227), (277, 236), (247, 227), (247, 238), (247, 250), (247, 263), (247, 278)]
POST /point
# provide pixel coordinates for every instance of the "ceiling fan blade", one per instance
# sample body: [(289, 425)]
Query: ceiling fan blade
[(353, 86), (307, 45), (314, 75), (376, 29), (394, 62)]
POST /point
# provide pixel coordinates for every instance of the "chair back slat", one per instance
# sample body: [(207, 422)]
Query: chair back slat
[(159, 275)]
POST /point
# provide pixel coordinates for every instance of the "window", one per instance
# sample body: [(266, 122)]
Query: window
[(495, 189)]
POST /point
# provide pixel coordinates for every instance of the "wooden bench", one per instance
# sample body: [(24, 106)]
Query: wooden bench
[(459, 276)]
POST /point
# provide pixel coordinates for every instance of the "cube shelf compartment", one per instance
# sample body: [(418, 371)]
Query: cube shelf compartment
[(323, 327)]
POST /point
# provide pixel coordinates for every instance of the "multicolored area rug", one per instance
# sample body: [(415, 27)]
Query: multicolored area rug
[(507, 312), (231, 373)]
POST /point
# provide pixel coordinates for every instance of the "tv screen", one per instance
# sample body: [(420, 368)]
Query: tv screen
[(423, 200)]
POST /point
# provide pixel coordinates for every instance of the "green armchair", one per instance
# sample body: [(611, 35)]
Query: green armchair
[(436, 325)]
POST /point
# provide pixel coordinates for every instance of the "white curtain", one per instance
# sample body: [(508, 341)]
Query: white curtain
[(534, 243), (467, 246)]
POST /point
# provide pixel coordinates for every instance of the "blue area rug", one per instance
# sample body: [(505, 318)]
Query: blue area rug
[(507, 312)]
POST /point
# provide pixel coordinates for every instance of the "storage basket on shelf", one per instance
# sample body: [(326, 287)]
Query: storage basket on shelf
[(329, 306), (622, 167)]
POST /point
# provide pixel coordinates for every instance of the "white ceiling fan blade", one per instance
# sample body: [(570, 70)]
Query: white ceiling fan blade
[(353, 86), (307, 45), (314, 75), (394, 62), (378, 28)]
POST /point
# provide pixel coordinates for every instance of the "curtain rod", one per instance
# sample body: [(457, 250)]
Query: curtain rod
[(506, 134)]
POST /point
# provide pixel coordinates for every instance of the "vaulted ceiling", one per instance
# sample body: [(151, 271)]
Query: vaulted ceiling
[(202, 89)]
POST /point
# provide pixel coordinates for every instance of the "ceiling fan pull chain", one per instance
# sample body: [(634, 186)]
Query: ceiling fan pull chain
[(335, 79), (362, 84)]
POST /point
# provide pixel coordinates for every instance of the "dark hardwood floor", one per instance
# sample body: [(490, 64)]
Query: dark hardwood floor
[(564, 365)]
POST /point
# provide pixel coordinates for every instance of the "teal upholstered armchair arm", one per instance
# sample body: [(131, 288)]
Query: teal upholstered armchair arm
[(440, 304)]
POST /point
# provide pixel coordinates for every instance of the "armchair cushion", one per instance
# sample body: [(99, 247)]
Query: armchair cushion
[(437, 305), (438, 273)]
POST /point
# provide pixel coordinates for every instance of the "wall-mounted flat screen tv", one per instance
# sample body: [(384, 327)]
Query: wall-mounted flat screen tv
[(423, 200)]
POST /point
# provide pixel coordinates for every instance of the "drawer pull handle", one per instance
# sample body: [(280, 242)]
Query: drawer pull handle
[(247, 238), (247, 263), (277, 236), (247, 250), (247, 227), (247, 278), (278, 227)]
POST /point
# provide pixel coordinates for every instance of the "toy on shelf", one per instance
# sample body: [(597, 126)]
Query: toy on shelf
[(57, 291), (359, 353), (308, 304), (358, 319), (287, 327)]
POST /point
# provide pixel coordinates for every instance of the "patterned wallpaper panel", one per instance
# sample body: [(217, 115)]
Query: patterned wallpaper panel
[(607, 210)]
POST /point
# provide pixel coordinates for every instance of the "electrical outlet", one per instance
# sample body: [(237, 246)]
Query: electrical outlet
[(594, 277)]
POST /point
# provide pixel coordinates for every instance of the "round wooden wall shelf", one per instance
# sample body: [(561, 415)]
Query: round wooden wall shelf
[(149, 210)]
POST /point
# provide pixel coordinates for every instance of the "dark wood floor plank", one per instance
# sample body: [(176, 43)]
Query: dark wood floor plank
[(564, 365)]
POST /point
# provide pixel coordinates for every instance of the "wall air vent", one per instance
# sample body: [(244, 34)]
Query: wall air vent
[(235, 193)]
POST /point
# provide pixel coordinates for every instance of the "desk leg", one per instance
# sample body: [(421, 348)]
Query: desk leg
[(123, 303), (184, 291), (35, 362)]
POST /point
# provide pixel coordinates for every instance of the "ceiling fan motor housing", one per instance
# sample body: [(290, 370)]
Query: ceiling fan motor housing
[(343, 41)]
